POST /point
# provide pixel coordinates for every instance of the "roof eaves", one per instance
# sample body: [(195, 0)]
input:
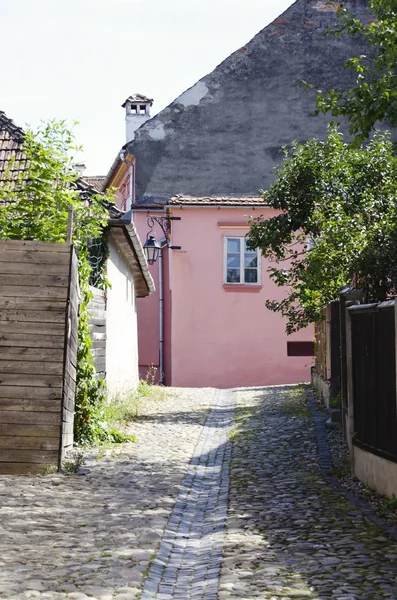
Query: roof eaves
[(136, 244), (218, 201)]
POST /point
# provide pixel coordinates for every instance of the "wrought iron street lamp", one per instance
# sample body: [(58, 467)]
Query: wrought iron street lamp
[(152, 247)]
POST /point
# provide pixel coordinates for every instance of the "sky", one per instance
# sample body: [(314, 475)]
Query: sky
[(79, 60)]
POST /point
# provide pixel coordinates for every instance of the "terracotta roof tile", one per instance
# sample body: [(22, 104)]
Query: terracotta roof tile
[(12, 160), (218, 200), (97, 182), (136, 98)]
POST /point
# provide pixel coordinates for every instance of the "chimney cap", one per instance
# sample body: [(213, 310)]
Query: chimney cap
[(137, 99)]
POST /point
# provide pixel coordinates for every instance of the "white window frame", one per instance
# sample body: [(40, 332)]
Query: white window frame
[(242, 266)]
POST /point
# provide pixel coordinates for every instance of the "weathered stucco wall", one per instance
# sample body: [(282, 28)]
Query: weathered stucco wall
[(122, 341), (224, 135)]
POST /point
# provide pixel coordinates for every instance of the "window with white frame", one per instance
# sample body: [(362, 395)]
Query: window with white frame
[(241, 261)]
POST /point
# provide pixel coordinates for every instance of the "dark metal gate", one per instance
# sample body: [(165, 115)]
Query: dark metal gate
[(374, 378)]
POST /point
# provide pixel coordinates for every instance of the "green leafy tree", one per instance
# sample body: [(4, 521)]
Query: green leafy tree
[(337, 218), (374, 97)]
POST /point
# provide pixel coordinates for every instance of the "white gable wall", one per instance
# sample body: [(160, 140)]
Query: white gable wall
[(121, 327)]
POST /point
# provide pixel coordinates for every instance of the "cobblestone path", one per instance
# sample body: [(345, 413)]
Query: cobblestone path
[(289, 533), (73, 537), (189, 560), (201, 507)]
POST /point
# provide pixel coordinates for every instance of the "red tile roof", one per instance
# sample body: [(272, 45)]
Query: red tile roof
[(12, 160), (136, 99), (97, 182), (218, 200)]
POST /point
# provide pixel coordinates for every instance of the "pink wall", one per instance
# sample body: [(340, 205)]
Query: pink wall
[(148, 312), (213, 336), (148, 308), (224, 337)]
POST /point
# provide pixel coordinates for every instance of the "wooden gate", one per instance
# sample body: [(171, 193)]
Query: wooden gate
[(39, 301)]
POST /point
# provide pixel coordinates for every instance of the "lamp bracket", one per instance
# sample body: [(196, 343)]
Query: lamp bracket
[(165, 224)]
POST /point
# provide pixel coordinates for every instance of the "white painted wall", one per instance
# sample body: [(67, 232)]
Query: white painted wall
[(132, 123), (121, 327)]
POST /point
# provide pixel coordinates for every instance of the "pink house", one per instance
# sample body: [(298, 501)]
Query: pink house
[(207, 324), (203, 159), (217, 330)]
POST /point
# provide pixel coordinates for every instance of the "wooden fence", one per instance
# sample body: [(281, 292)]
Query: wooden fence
[(97, 309), (327, 363), (320, 346), (38, 344), (373, 374)]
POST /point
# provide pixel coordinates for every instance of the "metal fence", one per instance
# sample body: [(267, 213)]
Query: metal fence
[(373, 356)]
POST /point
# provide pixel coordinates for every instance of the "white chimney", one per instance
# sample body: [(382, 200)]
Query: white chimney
[(80, 168), (137, 112)]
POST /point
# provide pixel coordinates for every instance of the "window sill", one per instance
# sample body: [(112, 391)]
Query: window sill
[(242, 287)]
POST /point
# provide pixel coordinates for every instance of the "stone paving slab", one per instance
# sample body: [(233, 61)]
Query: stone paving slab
[(290, 534), (73, 537)]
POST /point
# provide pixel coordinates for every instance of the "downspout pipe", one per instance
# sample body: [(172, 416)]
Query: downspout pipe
[(163, 243), (131, 195)]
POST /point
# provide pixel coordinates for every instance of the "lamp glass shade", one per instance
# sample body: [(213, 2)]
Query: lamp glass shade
[(151, 249)]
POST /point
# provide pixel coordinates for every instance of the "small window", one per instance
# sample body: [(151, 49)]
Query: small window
[(300, 348), (134, 109), (142, 109), (241, 261)]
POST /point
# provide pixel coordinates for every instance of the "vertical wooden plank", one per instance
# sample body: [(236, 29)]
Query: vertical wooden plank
[(69, 235), (97, 309), (71, 326), (335, 388)]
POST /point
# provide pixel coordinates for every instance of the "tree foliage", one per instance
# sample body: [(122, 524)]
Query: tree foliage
[(37, 193), (337, 218), (374, 97)]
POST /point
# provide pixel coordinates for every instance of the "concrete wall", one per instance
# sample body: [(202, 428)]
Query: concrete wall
[(321, 386), (122, 334), (376, 472)]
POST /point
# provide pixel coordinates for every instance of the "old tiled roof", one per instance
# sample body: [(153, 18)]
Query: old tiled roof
[(12, 160), (218, 201), (13, 163), (136, 98), (97, 182)]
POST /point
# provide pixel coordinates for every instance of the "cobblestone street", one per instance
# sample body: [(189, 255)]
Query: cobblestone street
[(221, 497)]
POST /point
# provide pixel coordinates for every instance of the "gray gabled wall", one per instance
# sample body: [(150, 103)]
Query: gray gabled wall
[(224, 135)]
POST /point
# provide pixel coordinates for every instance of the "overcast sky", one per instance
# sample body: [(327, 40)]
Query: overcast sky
[(80, 59)]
